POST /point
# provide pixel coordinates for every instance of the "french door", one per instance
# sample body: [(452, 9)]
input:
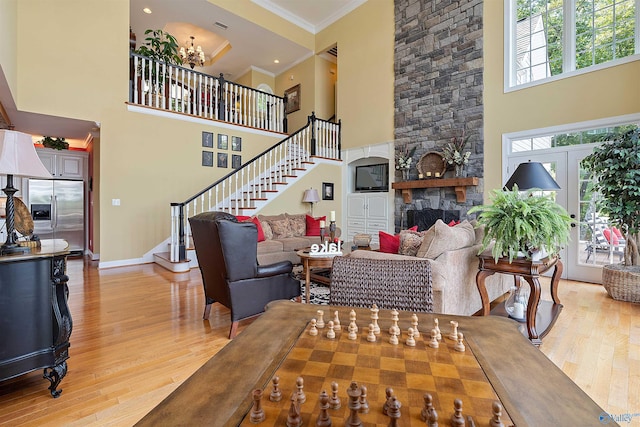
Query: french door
[(583, 257)]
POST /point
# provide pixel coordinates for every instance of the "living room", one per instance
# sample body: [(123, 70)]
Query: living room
[(128, 141)]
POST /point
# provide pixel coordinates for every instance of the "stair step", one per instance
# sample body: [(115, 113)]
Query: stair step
[(164, 259)]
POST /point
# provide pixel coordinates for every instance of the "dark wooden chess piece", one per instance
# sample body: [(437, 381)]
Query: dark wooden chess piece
[(354, 405), (497, 414), (334, 402), (293, 417), (257, 413), (394, 411), (432, 421), (276, 394), (388, 393), (324, 420), (300, 386), (428, 407), (364, 403), (457, 419)]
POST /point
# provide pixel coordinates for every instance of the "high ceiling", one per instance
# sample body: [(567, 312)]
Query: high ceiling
[(251, 45)]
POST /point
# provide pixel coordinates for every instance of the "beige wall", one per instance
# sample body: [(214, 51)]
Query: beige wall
[(610, 92), (365, 40), (325, 82), (8, 46), (254, 78), (304, 75)]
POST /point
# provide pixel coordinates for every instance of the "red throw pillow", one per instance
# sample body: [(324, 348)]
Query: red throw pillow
[(453, 223), (617, 232), (313, 225), (244, 218), (611, 237), (389, 243)]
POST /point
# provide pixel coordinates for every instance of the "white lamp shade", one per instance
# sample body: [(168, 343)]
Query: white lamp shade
[(18, 156), (311, 196)]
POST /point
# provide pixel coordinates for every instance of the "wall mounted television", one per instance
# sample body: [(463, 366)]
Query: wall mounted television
[(372, 177)]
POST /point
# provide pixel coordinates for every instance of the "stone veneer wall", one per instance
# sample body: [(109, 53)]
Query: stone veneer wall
[(438, 92)]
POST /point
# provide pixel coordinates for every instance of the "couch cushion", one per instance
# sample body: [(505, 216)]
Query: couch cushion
[(410, 242), (313, 225), (441, 238), (294, 243), (298, 224), (281, 228), (390, 243), (270, 246), (256, 221)]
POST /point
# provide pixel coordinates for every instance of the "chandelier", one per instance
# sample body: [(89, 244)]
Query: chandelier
[(192, 56)]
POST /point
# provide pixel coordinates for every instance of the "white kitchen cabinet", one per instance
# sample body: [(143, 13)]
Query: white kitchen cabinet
[(64, 163), (367, 213)]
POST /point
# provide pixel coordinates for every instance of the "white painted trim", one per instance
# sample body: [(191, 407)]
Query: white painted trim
[(205, 122), (262, 70), (338, 13), (123, 263), (298, 61), (219, 49)]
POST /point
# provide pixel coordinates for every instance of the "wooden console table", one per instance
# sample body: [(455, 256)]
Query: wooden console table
[(460, 185), (35, 322), (541, 315)]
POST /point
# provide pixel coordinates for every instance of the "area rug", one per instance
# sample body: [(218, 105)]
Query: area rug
[(319, 293)]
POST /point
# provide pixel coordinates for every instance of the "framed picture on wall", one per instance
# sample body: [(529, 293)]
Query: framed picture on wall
[(293, 98), (207, 158), (236, 161), (207, 139), (222, 160), (327, 191), (223, 142), (236, 143)]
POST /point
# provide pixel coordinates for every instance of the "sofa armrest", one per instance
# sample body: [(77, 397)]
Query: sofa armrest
[(282, 267)]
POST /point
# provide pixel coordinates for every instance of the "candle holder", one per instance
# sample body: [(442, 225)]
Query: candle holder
[(332, 231), (322, 234)]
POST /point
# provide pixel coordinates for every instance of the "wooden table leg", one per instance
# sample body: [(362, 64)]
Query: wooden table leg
[(532, 309), (555, 278), (482, 288), (307, 283)]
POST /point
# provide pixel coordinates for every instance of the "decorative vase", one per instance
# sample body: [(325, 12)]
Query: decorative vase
[(405, 174), (459, 170)]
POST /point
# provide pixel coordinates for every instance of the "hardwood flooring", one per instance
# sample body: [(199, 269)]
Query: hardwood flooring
[(138, 333)]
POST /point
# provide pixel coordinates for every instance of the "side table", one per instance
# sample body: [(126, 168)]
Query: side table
[(541, 315)]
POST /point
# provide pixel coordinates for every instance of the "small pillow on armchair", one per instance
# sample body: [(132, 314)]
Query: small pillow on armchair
[(441, 238)]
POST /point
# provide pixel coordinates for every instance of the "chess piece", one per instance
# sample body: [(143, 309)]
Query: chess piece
[(354, 394), (411, 342), (394, 320), (313, 331), (388, 394), (323, 420), (300, 393), (320, 321), (432, 421), (394, 411), (436, 326), (353, 331), (336, 322), (276, 394), (457, 419), (496, 420), (374, 317), (334, 402), (459, 346), (427, 408), (454, 330), (372, 334), (394, 336), (352, 320), (414, 325), (364, 403), (433, 343), (257, 413), (293, 416), (331, 333)]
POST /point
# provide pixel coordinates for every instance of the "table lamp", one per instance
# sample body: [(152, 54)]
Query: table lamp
[(311, 196), (17, 157), (532, 175)]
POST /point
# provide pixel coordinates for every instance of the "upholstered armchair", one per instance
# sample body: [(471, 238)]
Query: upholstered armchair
[(227, 255)]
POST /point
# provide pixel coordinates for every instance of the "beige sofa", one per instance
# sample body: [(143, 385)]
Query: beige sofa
[(284, 234), (451, 251)]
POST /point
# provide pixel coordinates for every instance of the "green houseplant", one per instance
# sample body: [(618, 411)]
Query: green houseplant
[(55, 143), (160, 46), (616, 166), (520, 223)]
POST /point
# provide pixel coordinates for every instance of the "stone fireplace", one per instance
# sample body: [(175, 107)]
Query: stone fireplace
[(425, 218)]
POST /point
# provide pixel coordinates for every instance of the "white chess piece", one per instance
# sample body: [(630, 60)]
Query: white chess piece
[(411, 342), (331, 334), (320, 321), (414, 325), (336, 322), (459, 346), (434, 339), (374, 317), (313, 331), (372, 333), (436, 326)]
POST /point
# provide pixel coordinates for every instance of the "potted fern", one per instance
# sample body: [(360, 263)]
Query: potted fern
[(616, 166), (521, 224)]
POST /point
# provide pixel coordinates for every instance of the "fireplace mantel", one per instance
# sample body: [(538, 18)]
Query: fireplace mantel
[(460, 185)]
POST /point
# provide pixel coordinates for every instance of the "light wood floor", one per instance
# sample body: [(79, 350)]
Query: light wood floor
[(138, 333)]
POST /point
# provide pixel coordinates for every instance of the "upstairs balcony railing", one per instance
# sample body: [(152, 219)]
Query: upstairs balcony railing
[(169, 87)]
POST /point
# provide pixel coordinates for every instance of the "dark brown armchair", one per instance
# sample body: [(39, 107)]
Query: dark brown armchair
[(227, 255)]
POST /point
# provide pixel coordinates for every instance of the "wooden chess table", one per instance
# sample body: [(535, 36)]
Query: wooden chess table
[(499, 364)]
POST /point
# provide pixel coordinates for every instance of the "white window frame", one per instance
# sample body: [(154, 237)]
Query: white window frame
[(569, 48)]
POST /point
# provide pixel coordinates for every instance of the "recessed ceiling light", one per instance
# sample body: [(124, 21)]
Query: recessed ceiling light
[(146, 10), (276, 61)]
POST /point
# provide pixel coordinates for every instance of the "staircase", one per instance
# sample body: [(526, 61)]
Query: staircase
[(248, 189)]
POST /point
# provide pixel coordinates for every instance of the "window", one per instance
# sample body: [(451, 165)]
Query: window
[(552, 37)]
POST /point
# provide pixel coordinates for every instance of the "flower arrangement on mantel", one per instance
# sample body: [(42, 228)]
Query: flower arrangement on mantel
[(404, 158), (453, 155)]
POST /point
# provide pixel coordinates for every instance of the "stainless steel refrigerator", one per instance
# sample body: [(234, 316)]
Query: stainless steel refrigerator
[(57, 208)]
